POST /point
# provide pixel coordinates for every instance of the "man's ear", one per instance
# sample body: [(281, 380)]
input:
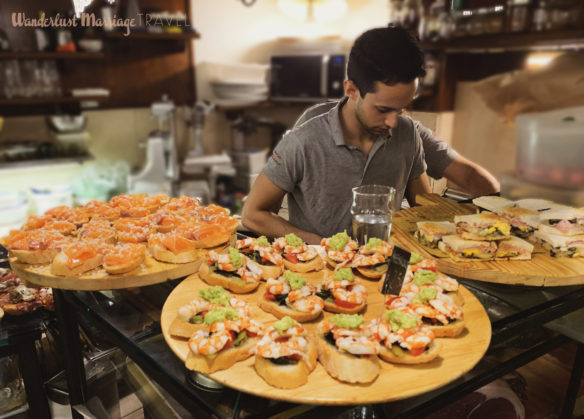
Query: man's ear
[(351, 90)]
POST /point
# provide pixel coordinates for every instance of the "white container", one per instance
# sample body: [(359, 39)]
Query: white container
[(45, 198), (238, 73), (13, 208), (550, 147)]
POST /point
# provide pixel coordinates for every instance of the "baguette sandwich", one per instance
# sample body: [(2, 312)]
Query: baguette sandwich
[(298, 256), (514, 248), (536, 204), (492, 203), (430, 233), (227, 339), (483, 226), (191, 317), (461, 250), (342, 293), (291, 295), (372, 259), (231, 270), (566, 220), (285, 355), (404, 340), (347, 348), (339, 248), (261, 252), (523, 221), (561, 245)]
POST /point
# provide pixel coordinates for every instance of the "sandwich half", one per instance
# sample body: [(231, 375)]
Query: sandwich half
[(461, 250), (561, 245), (483, 226), (514, 248), (492, 203), (564, 220), (429, 233), (523, 221)]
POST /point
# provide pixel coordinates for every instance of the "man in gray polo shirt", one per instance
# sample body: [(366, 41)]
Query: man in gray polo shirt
[(363, 140)]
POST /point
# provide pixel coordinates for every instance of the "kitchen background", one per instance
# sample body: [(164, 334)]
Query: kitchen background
[(215, 54)]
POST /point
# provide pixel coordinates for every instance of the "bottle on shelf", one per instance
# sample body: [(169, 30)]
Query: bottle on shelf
[(518, 15), (44, 36)]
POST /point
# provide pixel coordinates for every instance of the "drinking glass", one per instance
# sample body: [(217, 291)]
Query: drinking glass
[(372, 211)]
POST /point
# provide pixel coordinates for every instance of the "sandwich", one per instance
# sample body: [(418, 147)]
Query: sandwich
[(523, 221), (191, 317), (461, 250), (429, 233), (372, 259), (403, 338), (347, 348), (226, 339), (483, 226), (77, 258), (231, 270), (340, 249), (492, 203), (123, 258), (172, 248), (285, 355), (298, 256), (514, 248), (438, 311), (291, 295), (564, 220), (536, 204), (34, 246), (261, 252), (560, 245), (342, 293)]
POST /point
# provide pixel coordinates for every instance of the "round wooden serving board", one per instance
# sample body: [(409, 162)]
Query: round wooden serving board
[(394, 382)]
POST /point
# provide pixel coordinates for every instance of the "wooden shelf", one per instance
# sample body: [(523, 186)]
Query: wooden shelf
[(50, 55), (509, 41), (146, 36), (23, 101)]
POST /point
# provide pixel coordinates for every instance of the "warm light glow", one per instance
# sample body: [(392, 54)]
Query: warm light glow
[(540, 59), (314, 10)]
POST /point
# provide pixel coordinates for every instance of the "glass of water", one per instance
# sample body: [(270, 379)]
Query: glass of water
[(372, 211)]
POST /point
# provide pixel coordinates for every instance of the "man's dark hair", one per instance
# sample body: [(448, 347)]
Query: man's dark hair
[(390, 55)]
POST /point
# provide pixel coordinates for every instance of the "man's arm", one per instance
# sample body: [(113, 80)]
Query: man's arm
[(471, 177), (259, 212), (417, 186)]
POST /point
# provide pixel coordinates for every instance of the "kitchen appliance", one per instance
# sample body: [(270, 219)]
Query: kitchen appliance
[(160, 173), (307, 77)]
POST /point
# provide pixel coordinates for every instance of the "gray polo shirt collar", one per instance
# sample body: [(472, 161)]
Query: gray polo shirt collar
[(334, 120)]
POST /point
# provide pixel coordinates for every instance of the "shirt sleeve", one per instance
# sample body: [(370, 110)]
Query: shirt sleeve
[(419, 163), (286, 164), (437, 153)]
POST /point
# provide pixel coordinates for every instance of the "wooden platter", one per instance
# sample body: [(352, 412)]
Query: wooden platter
[(150, 272), (542, 270), (395, 382)]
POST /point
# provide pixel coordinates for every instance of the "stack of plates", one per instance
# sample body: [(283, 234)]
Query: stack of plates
[(228, 93)]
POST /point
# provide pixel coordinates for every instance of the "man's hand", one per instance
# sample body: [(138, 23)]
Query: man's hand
[(471, 177), (261, 208), (417, 187)]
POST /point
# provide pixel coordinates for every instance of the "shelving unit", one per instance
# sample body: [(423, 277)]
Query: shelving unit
[(40, 55), (41, 100)]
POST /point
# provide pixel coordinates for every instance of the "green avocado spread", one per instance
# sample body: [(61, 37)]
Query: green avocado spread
[(344, 273), (284, 324), (424, 296), (236, 258), (220, 315), (293, 240), (339, 241), (263, 241), (399, 320), (425, 277), (373, 243), (215, 295), (347, 321), (295, 280), (415, 258)]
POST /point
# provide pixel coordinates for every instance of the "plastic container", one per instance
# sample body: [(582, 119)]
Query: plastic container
[(550, 147), (238, 73), (45, 198), (13, 208)]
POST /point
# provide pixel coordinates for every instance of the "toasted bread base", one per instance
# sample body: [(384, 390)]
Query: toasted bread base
[(222, 360), (162, 254), (312, 265), (457, 258), (281, 311), (184, 330), (34, 257), (59, 266), (286, 376), (346, 367), (271, 271), (212, 278), (449, 330), (429, 354), (331, 307), (124, 268), (371, 273)]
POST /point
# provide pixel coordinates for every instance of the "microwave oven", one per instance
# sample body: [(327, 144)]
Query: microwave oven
[(306, 77)]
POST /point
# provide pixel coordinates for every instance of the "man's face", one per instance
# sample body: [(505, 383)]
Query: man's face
[(378, 110)]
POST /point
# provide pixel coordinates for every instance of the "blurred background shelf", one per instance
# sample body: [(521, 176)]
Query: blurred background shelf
[(10, 55), (24, 101)]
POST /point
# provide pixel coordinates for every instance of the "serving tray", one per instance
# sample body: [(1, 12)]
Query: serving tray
[(395, 382), (542, 270)]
